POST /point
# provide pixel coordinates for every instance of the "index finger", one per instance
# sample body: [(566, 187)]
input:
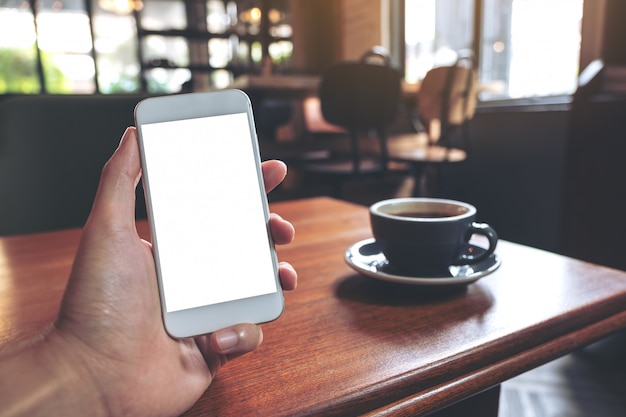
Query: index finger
[(274, 172)]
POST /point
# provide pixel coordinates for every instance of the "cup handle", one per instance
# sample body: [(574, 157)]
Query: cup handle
[(479, 229)]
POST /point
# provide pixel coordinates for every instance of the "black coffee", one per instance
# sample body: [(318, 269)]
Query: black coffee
[(423, 214)]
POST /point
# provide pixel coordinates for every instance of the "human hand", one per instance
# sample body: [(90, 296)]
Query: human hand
[(109, 329)]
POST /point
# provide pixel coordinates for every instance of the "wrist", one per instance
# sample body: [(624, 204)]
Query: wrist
[(48, 378)]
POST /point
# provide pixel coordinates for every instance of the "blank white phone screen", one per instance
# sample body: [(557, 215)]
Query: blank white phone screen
[(207, 209)]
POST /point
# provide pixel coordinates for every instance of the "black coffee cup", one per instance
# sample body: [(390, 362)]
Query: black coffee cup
[(425, 236)]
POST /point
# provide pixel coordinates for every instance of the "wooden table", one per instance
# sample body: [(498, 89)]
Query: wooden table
[(295, 86), (348, 344)]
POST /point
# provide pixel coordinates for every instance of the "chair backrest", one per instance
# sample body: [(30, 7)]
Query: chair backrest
[(378, 54), (360, 95), (448, 94), (52, 150)]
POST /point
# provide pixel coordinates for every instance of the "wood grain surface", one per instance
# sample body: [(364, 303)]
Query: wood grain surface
[(349, 345)]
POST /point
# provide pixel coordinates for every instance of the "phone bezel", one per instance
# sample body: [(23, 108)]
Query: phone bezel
[(206, 319)]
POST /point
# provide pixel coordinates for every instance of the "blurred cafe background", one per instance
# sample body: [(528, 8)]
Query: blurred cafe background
[(543, 140)]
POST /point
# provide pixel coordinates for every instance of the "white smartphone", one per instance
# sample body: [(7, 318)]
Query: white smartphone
[(208, 212)]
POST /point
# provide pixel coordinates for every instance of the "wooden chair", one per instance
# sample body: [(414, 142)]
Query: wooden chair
[(363, 98), (446, 102)]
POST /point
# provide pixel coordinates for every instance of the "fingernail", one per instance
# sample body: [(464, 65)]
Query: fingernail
[(227, 339), (124, 136)]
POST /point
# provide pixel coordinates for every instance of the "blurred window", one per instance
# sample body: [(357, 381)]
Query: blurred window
[(57, 34), (159, 46), (115, 44), (18, 49), (64, 38), (528, 48)]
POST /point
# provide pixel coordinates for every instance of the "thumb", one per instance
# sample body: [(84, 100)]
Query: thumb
[(226, 344), (115, 198)]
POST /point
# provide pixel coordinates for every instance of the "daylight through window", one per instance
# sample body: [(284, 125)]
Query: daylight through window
[(528, 48)]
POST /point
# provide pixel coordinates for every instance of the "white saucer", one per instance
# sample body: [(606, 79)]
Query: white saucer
[(365, 257)]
